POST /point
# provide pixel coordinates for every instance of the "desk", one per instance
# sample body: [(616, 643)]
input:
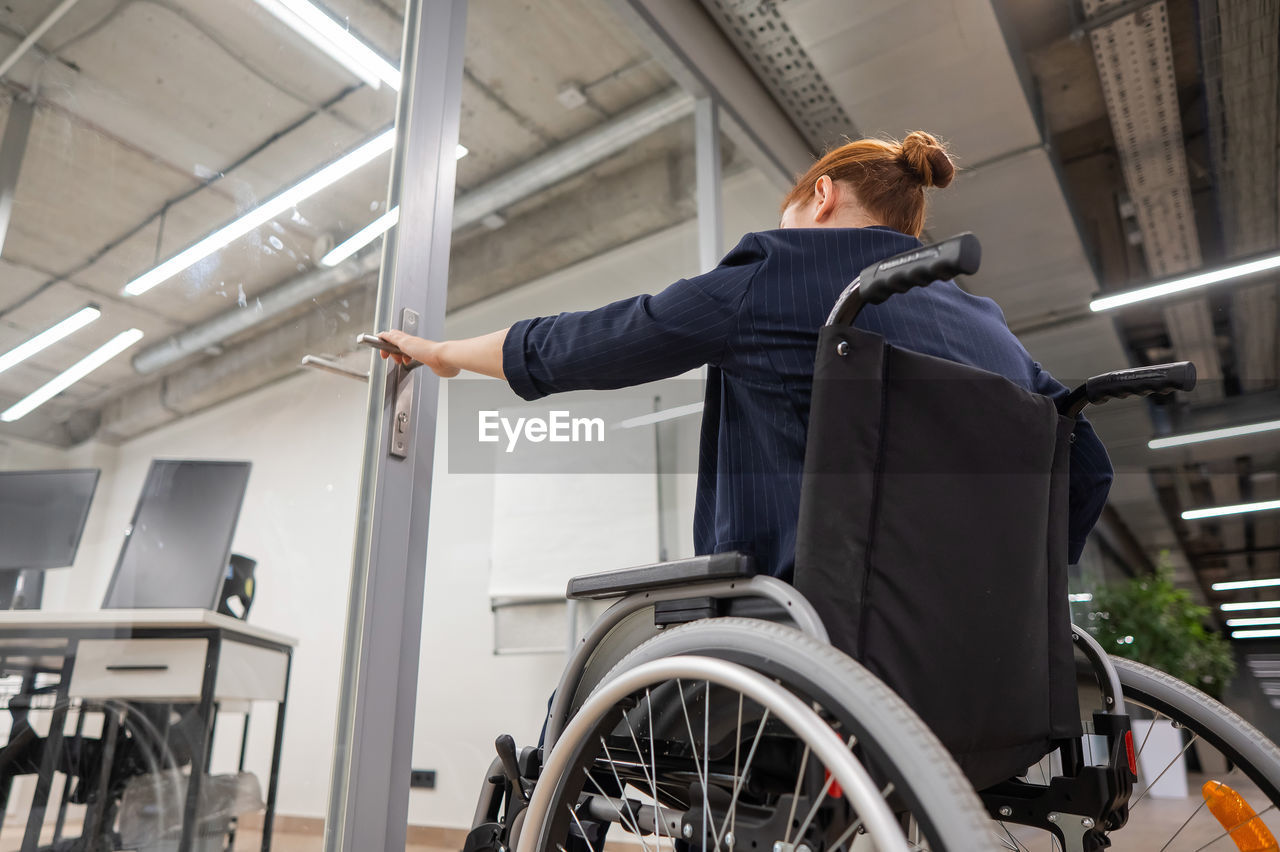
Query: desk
[(150, 655)]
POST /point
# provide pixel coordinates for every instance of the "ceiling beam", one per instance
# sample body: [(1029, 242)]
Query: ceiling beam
[(35, 35), (13, 148)]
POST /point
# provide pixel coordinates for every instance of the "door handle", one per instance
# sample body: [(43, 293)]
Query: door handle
[(335, 367), (402, 417)]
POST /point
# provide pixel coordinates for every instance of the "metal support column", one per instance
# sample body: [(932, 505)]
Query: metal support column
[(369, 796), (17, 128), (710, 209)]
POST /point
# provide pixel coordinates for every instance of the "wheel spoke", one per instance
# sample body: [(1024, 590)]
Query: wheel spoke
[(706, 764), (585, 837), (622, 794), (1187, 822), (1147, 735), (737, 749), (795, 796), (737, 781), (651, 778), (1163, 771), (817, 802), (622, 818), (857, 823)]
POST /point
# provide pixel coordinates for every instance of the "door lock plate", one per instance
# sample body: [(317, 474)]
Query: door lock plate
[(402, 420)]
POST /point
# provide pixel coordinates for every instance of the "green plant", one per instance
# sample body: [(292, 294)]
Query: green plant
[(1152, 621)]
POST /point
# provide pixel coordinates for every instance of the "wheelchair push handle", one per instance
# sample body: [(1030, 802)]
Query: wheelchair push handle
[(1143, 381), (960, 255)]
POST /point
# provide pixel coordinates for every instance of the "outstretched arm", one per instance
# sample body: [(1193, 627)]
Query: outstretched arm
[(628, 342), (449, 357)]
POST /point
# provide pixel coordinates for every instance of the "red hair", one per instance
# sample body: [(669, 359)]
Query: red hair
[(887, 177)]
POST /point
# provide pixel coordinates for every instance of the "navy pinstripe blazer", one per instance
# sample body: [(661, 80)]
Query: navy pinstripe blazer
[(755, 319)]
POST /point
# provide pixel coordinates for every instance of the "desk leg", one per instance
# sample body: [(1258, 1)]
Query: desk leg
[(244, 747), (96, 834), (200, 749), (66, 787), (52, 753), (269, 817)]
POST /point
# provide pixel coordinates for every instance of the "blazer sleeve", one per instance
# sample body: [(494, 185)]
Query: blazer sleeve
[(1091, 471), (636, 340)]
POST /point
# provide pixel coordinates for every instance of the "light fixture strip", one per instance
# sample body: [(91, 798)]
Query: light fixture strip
[(1238, 509), (1244, 605), (48, 337), (268, 210), (1255, 634), (362, 237), (334, 40), (1245, 584), (1188, 282), (1252, 622), (72, 374), (1213, 435)]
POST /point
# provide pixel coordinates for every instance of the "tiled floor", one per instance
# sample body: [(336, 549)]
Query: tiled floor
[(1152, 823)]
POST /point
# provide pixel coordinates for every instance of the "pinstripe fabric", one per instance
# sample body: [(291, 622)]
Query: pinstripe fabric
[(755, 319)]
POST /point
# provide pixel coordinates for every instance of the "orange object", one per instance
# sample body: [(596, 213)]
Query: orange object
[(1239, 818)]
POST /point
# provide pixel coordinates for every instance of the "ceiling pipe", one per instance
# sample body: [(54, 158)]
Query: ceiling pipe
[(41, 28), (294, 292), (523, 181)]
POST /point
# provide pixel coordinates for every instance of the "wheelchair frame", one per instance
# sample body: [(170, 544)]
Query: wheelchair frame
[(1078, 806)]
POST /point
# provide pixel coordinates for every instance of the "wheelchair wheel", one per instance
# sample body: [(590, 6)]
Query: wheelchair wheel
[(720, 754), (1181, 733)]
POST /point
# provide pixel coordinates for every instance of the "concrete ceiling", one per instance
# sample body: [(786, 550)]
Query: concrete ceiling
[(156, 121)]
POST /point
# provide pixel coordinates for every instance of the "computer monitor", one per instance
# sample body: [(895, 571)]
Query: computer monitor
[(42, 515), (176, 548)]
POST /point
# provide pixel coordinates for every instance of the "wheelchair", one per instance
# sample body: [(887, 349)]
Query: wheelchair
[(919, 685)]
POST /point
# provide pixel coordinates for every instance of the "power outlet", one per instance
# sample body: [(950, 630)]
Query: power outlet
[(422, 779)]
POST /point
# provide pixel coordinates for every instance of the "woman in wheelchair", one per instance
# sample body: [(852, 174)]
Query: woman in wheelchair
[(899, 486), (754, 321)]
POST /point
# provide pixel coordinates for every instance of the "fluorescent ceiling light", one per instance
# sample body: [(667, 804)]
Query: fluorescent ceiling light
[(362, 237), (335, 40), (1213, 435), (73, 374), (48, 337), (1188, 282), (1235, 607), (1238, 509), (268, 210), (1083, 597), (1245, 584), (1251, 622), (370, 232), (1255, 634)]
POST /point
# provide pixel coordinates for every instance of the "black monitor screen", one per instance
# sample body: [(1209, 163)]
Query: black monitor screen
[(175, 552), (42, 514)]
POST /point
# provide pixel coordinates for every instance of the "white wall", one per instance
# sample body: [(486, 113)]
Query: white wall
[(304, 436)]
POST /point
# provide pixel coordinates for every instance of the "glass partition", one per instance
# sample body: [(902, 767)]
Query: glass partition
[(197, 194), (580, 190)]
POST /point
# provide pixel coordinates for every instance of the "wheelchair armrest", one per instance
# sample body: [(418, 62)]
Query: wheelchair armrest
[(661, 575)]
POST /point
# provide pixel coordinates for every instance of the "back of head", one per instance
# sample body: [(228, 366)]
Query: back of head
[(888, 177)]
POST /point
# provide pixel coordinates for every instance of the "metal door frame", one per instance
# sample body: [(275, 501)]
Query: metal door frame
[(369, 792)]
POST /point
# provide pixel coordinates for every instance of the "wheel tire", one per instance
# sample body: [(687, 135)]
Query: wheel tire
[(1257, 756), (939, 794)]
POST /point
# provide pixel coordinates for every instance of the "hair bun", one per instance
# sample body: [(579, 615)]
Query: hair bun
[(926, 158)]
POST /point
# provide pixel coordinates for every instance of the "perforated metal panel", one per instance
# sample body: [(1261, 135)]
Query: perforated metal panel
[(762, 36), (1135, 64)]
